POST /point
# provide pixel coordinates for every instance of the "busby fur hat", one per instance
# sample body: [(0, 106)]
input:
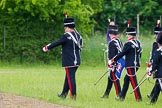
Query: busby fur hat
[(69, 22), (157, 30), (131, 31), (159, 38), (113, 29)]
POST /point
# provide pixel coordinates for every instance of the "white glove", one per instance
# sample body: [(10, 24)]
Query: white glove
[(45, 48), (148, 74), (148, 69), (110, 62), (109, 67)]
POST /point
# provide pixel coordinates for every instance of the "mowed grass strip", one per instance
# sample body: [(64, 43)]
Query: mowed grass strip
[(44, 82)]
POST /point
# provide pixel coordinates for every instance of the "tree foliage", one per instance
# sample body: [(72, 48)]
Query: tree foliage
[(27, 25), (121, 11)]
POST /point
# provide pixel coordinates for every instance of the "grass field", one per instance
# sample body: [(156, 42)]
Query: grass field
[(44, 82)]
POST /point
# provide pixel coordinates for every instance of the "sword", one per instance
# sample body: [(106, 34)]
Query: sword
[(139, 84), (143, 77), (100, 78)]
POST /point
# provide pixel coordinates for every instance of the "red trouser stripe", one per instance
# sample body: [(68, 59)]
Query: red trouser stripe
[(133, 83), (69, 82), (115, 83)]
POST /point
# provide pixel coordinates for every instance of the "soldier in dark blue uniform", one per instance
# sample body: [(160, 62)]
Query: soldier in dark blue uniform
[(156, 68), (114, 47), (71, 42), (157, 30), (132, 51)]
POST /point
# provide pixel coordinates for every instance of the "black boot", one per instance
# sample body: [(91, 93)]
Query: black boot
[(150, 103), (139, 100), (73, 97), (149, 96), (62, 95), (119, 98), (106, 94)]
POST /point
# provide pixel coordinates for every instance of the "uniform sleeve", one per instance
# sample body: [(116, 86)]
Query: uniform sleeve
[(155, 61), (61, 41), (124, 51), (154, 48), (111, 50)]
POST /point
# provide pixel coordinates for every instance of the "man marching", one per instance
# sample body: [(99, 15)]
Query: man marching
[(157, 30), (132, 51), (71, 42), (157, 70), (114, 47)]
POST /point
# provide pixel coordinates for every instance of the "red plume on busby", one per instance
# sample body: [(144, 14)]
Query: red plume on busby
[(128, 22), (130, 30), (66, 14)]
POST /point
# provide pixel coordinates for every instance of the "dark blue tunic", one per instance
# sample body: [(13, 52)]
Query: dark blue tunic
[(157, 63), (70, 49), (132, 53)]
